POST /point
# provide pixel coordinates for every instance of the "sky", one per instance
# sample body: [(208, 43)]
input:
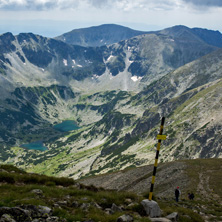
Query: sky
[(52, 18)]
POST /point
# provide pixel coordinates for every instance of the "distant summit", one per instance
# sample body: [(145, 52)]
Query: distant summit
[(99, 35), (210, 37)]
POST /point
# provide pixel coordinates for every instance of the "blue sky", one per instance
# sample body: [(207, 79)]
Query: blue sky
[(54, 17)]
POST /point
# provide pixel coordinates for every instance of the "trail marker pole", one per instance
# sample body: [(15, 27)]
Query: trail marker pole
[(160, 137)]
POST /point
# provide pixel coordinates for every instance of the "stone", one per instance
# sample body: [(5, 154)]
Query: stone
[(52, 219), (37, 192), (45, 211), (128, 201), (16, 213), (133, 205), (62, 203), (173, 217), (75, 204), (28, 213), (125, 218), (108, 211), (6, 218), (55, 205), (151, 207), (85, 206), (160, 219), (115, 208), (94, 204), (37, 211)]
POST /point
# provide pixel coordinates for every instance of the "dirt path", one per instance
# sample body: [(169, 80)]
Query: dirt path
[(208, 194), (204, 189)]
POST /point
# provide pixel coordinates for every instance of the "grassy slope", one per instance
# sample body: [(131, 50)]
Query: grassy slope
[(16, 188)]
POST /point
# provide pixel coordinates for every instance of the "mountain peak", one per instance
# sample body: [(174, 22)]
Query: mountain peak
[(104, 34)]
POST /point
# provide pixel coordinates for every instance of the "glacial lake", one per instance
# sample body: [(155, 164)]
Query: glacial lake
[(66, 126), (38, 145)]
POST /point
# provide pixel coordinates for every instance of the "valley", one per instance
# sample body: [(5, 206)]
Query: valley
[(115, 94)]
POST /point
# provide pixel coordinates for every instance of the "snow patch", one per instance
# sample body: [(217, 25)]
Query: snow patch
[(136, 78), (65, 62), (95, 76), (130, 61), (129, 48), (110, 57)]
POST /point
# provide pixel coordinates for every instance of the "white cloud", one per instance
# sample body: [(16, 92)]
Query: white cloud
[(54, 17), (206, 3), (125, 5), (37, 4)]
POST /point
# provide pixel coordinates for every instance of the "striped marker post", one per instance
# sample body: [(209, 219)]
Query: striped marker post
[(160, 137)]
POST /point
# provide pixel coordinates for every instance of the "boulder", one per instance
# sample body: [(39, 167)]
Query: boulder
[(125, 218), (37, 211), (6, 218), (151, 207), (45, 211), (28, 213), (18, 214)]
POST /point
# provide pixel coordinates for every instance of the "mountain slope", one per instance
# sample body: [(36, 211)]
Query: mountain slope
[(48, 81), (124, 126)]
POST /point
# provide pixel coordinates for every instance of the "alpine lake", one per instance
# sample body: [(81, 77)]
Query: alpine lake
[(65, 126)]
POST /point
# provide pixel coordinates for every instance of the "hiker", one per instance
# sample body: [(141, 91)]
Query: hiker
[(177, 194), (191, 196)]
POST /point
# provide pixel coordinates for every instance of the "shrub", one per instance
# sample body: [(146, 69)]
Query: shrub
[(6, 177), (11, 168)]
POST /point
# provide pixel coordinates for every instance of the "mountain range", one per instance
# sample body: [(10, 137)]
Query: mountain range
[(116, 84)]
